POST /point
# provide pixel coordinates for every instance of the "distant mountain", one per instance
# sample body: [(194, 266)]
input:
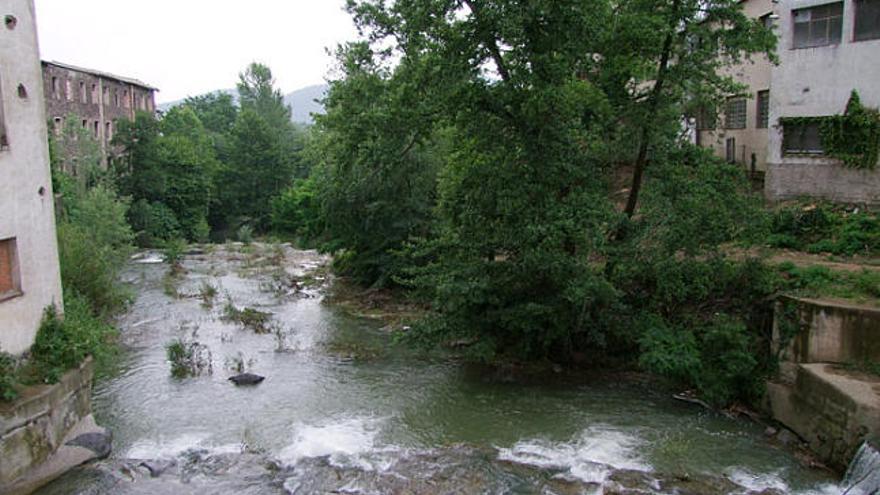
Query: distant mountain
[(302, 101)]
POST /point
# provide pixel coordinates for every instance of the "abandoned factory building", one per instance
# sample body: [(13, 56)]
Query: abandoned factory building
[(92, 103)]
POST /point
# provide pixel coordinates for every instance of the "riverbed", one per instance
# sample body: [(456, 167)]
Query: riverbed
[(343, 409)]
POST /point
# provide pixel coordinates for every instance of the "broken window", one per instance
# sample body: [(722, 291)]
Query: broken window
[(735, 113), (867, 20), (818, 26), (801, 138), (763, 107), (10, 281)]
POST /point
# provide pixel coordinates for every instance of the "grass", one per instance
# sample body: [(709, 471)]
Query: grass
[(868, 367), (250, 318), (207, 292), (821, 281)]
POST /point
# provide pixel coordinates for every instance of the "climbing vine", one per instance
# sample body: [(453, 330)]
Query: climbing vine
[(853, 138)]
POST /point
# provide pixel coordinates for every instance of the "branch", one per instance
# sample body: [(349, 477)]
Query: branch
[(491, 43)]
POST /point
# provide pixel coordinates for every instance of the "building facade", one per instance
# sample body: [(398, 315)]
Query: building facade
[(826, 50), (740, 134), (29, 273), (96, 101)]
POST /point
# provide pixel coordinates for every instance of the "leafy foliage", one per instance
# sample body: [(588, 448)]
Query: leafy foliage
[(820, 227)]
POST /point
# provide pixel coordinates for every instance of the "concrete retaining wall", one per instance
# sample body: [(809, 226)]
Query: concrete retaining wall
[(822, 179), (832, 332), (33, 427)]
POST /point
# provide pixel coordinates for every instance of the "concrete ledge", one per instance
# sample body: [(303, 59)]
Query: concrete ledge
[(35, 426), (834, 332)]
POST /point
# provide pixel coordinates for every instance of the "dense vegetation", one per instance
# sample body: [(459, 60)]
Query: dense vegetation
[(517, 167)]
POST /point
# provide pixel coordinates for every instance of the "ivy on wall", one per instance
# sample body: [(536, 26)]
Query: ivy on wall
[(853, 138)]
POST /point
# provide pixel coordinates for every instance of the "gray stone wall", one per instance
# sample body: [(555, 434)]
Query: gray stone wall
[(821, 179), (33, 427)]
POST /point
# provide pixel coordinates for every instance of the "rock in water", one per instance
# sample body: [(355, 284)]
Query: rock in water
[(99, 443), (246, 379)]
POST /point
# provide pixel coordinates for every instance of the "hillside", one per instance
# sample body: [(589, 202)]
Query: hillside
[(302, 101)]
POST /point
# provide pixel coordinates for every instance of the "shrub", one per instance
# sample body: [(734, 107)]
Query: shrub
[(245, 234), (62, 344), (296, 211), (824, 228), (91, 270), (8, 382), (173, 250), (251, 318)]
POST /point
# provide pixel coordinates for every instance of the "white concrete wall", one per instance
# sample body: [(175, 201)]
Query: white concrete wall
[(815, 82), (25, 213)]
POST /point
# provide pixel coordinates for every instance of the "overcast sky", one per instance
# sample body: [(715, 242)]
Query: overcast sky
[(189, 47)]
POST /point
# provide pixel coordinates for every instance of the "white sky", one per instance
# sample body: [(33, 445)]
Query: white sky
[(190, 47)]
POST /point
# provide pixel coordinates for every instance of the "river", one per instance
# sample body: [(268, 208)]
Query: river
[(344, 410)]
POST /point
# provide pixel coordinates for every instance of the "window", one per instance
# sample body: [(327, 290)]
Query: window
[(116, 97), (97, 127), (818, 26), (763, 109), (10, 281), (106, 96), (56, 125), (55, 90), (83, 96), (735, 113), (867, 20), (68, 91), (730, 150), (801, 138), (108, 131), (766, 20), (94, 93)]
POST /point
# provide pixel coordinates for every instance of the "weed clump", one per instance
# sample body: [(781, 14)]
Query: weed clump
[(250, 318), (188, 358)]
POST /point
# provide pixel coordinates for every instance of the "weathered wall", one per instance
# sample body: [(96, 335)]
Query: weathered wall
[(832, 409), (832, 412), (815, 82), (832, 333), (755, 74), (26, 198), (33, 427), (96, 100)]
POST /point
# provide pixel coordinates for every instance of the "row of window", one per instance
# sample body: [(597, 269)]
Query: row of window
[(142, 102), (94, 127), (823, 24), (735, 114)]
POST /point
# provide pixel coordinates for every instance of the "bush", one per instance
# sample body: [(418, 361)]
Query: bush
[(91, 270), (825, 228), (8, 382), (245, 234), (296, 212), (63, 343)]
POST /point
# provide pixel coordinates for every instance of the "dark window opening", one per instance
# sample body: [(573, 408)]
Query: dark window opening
[(867, 25), (22, 91), (730, 150), (818, 26), (10, 22), (802, 138), (763, 107)]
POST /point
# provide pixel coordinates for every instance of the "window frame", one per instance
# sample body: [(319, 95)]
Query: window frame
[(830, 41), (872, 36), (11, 245), (728, 115), (802, 150), (762, 109)]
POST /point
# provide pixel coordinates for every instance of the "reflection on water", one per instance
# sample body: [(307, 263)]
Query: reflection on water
[(343, 409)]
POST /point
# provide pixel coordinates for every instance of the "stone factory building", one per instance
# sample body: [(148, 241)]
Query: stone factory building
[(29, 273), (96, 101)]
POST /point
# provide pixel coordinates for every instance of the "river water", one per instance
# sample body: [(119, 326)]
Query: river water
[(344, 410)]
